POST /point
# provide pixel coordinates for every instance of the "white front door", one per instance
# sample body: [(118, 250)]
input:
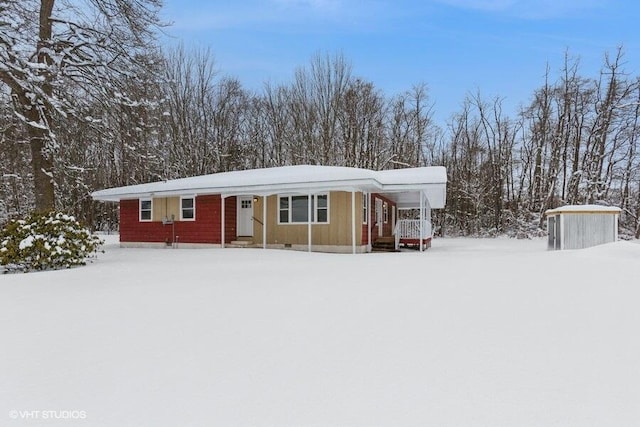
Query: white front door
[(245, 216)]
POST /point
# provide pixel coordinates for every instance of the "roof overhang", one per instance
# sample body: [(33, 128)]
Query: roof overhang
[(398, 184), (435, 196), (584, 209)]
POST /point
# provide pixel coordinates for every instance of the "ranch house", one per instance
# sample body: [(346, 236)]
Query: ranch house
[(314, 208)]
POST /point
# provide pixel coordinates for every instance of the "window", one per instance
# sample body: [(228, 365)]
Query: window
[(322, 208), (187, 208), (295, 209), (364, 207), (284, 210), (385, 212), (300, 209), (146, 206)]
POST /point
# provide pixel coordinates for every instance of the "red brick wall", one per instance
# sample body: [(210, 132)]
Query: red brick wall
[(205, 229), (387, 229)]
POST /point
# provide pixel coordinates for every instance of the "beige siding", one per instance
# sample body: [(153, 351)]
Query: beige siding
[(164, 207), (337, 232)]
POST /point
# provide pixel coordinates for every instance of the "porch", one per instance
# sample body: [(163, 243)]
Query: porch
[(407, 233), (359, 221), (413, 233)]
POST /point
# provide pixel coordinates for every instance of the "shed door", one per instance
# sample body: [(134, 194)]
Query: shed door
[(551, 230), (245, 216)]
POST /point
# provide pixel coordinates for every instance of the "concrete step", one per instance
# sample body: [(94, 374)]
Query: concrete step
[(239, 244)]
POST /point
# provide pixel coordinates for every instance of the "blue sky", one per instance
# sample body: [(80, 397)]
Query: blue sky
[(497, 47)]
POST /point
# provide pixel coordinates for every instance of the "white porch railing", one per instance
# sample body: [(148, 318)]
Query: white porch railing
[(410, 229)]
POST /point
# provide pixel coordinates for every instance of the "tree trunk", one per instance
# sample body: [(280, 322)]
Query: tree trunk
[(40, 135), (42, 164)]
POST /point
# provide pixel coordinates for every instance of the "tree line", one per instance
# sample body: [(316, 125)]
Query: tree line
[(92, 102)]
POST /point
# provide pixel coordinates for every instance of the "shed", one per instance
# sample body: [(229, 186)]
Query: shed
[(582, 226)]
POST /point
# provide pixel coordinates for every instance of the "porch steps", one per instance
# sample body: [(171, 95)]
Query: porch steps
[(239, 244), (384, 244)]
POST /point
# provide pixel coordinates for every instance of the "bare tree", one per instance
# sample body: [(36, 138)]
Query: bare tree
[(361, 123), (80, 45), (410, 126)]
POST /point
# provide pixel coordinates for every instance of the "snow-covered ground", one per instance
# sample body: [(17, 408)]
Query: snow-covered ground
[(470, 333)]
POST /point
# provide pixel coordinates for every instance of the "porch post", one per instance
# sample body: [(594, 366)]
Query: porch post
[(264, 222), (369, 222), (222, 197), (309, 222), (353, 221), (421, 221)]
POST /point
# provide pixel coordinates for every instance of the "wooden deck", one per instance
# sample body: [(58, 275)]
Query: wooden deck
[(415, 243)]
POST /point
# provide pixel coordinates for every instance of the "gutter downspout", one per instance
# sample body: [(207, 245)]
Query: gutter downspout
[(353, 221), (309, 222), (369, 246), (222, 197), (264, 222), (421, 222)]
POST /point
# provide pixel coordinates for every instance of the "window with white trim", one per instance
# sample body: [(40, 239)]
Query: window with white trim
[(145, 209), (187, 208), (295, 209), (321, 208), (283, 209), (364, 207), (385, 212)]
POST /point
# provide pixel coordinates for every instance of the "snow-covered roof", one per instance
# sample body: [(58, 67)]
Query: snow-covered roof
[(584, 209), (292, 179)]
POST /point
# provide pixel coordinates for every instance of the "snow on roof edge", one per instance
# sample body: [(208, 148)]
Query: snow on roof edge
[(584, 209), (283, 177)]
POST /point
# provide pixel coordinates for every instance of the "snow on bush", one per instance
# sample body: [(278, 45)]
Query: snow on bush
[(46, 242)]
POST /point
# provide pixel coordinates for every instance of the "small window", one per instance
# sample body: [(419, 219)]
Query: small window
[(364, 207), (385, 212), (146, 206), (322, 208), (187, 209), (284, 209)]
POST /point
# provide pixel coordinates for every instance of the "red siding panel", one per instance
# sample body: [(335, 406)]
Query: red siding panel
[(132, 230), (205, 229), (387, 229), (230, 222)]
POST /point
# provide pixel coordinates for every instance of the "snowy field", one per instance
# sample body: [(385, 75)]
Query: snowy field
[(470, 333)]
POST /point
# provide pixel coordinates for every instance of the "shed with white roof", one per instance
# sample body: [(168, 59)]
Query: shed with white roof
[(582, 226)]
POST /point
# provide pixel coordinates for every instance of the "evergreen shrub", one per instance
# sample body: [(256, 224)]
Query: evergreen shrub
[(48, 241)]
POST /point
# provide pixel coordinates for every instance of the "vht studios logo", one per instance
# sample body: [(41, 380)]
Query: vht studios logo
[(47, 415)]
